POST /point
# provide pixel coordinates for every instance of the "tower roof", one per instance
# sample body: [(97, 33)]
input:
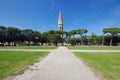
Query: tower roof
[(60, 20)]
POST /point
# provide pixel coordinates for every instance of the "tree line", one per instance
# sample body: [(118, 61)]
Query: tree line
[(12, 36)]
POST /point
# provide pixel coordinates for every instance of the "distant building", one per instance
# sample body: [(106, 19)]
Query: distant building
[(60, 21)]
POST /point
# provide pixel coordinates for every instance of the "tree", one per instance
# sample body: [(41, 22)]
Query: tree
[(12, 33), (73, 33), (61, 34), (68, 34), (36, 37), (94, 39), (29, 35), (44, 38), (113, 32), (2, 28), (2, 34), (55, 36), (81, 32)]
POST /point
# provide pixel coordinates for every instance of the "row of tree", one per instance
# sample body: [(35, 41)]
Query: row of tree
[(115, 32), (111, 36), (15, 36), (12, 35)]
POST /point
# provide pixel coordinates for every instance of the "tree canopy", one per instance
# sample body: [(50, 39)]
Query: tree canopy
[(13, 36)]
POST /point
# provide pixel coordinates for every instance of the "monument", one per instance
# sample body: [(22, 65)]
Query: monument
[(60, 22)]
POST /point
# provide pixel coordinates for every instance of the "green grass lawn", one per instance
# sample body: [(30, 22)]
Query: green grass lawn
[(104, 64), (94, 47), (28, 47), (13, 63)]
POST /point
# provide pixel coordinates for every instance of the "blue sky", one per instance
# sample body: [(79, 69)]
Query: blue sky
[(42, 15)]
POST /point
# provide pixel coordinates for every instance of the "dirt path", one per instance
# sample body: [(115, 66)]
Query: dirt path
[(60, 64), (95, 51), (36, 50), (43, 50)]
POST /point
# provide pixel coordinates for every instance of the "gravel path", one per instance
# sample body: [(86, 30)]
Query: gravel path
[(36, 50), (60, 64), (46, 50), (95, 51)]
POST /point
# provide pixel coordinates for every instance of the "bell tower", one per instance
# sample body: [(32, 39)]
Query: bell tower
[(60, 22)]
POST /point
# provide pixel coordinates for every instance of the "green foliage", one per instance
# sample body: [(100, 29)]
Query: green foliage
[(54, 36), (68, 34), (27, 32), (75, 32), (12, 30), (81, 31), (68, 40), (2, 33), (113, 32), (2, 28), (104, 64), (14, 36), (94, 38)]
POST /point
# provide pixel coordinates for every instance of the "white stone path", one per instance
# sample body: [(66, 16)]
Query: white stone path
[(60, 64), (46, 50)]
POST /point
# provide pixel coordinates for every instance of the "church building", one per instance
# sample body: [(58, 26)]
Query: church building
[(60, 22)]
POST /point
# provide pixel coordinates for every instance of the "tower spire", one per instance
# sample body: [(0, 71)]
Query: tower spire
[(60, 21)]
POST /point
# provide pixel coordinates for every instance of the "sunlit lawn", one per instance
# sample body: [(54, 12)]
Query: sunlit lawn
[(104, 64), (94, 47), (28, 47), (12, 63)]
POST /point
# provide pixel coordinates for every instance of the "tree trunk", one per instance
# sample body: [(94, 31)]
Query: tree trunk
[(103, 40), (14, 43), (8, 43), (22, 43), (62, 42), (81, 39), (111, 40), (70, 38), (75, 40), (28, 43), (56, 43)]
